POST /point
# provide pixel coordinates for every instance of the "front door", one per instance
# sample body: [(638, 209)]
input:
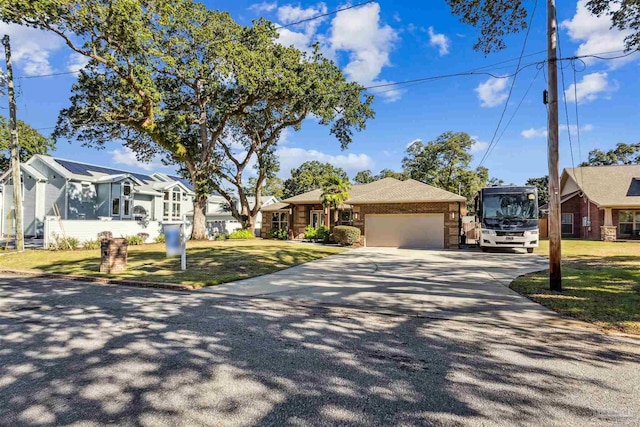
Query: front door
[(317, 219), (127, 200)]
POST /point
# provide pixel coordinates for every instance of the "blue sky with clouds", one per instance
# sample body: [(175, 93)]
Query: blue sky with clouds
[(388, 42)]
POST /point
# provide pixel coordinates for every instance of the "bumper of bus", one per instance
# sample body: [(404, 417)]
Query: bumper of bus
[(490, 239)]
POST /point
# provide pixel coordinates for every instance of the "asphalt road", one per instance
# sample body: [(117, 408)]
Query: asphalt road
[(86, 354)]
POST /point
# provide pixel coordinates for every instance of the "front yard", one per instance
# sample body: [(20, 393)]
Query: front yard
[(208, 263), (601, 284)]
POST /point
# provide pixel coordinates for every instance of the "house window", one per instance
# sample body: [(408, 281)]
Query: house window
[(629, 222), (346, 217), (172, 204), (567, 223), (280, 220), (115, 199), (317, 219)]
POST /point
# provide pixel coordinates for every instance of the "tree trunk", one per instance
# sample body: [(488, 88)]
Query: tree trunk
[(199, 229)]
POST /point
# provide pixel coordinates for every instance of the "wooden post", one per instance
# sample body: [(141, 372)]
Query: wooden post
[(555, 230), (15, 149)]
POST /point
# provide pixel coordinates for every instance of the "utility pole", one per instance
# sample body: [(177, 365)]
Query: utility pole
[(15, 149), (555, 230)]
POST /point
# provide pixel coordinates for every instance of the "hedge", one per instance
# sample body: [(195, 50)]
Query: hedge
[(346, 235)]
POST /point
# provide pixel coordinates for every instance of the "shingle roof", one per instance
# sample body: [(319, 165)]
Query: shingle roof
[(387, 190), (275, 207), (612, 186)]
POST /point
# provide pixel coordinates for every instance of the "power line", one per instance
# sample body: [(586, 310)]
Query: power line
[(513, 83), (564, 100)]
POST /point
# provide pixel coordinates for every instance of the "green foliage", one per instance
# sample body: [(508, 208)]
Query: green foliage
[(623, 154), (143, 236), (445, 163), (242, 234), (310, 232), (279, 233), (323, 233), (160, 239), (625, 15), (134, 240), (221, 237), (346, 235), (543, 188), (91, 244), (30, 140), (60, 243), (273, 186), (173, 78), (364, 177), (311, 175)]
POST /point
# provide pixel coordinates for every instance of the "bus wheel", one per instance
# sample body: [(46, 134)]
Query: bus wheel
[(530, 250)]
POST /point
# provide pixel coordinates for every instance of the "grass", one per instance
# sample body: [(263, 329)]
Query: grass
[(601, 284), (208, 263)]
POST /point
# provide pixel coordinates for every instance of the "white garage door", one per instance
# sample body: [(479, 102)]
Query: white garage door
[(405, 231)]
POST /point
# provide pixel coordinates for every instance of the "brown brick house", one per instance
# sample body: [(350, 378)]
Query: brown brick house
[(388, 212), (601, 202)]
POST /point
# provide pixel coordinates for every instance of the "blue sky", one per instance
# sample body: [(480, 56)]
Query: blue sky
[(386, 42)]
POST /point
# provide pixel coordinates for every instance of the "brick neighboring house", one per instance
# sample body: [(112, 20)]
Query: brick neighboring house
[(601, 202), (388, 212)]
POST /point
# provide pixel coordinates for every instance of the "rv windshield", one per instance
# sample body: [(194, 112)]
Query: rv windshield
[(522, 206)]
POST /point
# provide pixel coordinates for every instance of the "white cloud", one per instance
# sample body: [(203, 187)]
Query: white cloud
[(291, 157), (440, 41), (591, 87), (31, 48), (413, 142), (264, 7), (532, 133), (493, 92), (289, 14), (76, 62), (542, 132), (368, 42), (478, 145), (127, 157), (595, 34)]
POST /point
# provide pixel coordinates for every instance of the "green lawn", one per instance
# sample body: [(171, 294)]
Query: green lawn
[(209, 263), (601, 284)]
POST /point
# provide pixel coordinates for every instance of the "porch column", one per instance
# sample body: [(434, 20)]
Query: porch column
[(608, 231)]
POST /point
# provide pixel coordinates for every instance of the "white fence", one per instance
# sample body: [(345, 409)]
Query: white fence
[(84, 230)]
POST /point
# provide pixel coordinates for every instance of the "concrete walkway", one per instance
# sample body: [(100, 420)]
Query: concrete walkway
[(434, 283)]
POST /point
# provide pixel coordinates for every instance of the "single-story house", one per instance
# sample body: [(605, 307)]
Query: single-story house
[(601, 202), (389, 212), (97, 198)]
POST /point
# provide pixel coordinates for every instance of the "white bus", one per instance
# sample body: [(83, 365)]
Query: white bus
[(507, 217)]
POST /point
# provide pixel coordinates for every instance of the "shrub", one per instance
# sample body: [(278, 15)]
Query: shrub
[(59, 243), (159, 239), (221, 237), (143, 236), (310, 233), (346, 235), (105, 235), (279, 233), (91, 244), (242, 234), (323, 233), (133, 240)]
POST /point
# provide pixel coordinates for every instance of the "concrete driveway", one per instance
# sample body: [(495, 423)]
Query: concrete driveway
[(434, 283)]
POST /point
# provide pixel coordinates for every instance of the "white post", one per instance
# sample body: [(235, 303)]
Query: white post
[(183, 238)]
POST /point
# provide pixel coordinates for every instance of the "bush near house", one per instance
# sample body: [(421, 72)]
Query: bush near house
[(143, 236), (242, 234), (310, 233), (346, 235), (160, 238), (91, 244), (220, 237), (60, 243), (323, 234), (133, 240), (279, 234)]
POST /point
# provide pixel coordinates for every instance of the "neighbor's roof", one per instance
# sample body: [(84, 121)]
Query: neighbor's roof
[(275, 207), (387, 190), (611, 186)]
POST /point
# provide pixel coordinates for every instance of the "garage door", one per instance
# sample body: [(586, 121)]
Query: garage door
[(405, 231)]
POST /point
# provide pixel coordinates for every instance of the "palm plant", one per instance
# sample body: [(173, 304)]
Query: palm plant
[(335, 192)]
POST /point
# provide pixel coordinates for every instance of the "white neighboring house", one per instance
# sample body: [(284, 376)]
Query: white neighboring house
[(91, 199), (220, 220)]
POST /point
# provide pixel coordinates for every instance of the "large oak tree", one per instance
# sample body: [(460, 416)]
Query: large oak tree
[(176, 79)]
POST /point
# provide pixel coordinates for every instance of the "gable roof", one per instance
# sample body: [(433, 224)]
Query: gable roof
[(387, 190), (607, 186)]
